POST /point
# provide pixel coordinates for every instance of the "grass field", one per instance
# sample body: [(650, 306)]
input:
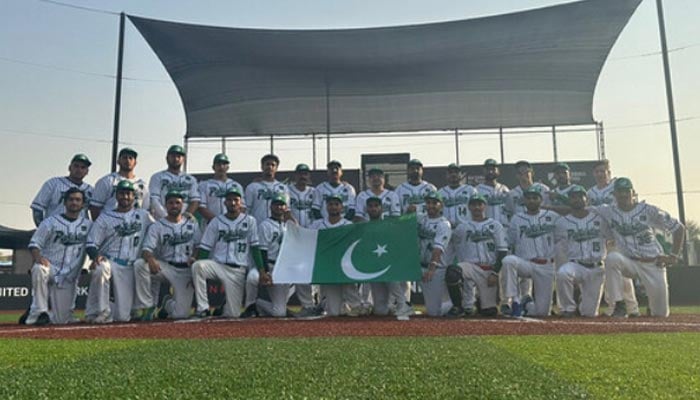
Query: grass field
[(637, 366)]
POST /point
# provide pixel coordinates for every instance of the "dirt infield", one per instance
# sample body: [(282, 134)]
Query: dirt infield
[(336, 327)]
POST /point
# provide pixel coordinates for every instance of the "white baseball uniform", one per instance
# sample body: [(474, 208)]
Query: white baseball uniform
[(598, 197), (455, 203), (515, 202), (477, 244), (636, 252), (325, 189), (300, 203), (106, 189), (532, 237), (229, 244), (391, 207), (212, 194), (562, 195), (172, 244), (584, 241), (165, 181), (434, 233), (414, 195), (335, 295), (496, 197), (258, 196), (117, 236), (49, 200), (62, 242)]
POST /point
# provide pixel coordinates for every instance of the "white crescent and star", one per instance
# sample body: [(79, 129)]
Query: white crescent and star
[(351, 272)]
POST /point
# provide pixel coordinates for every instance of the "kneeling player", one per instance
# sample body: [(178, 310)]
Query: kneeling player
[(434, 232)]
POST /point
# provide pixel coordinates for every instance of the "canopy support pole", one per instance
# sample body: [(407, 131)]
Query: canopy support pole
[(500, 138), (272, 144), (223, 144), (118, 92), (328, 124), (554, 143), (457, 145), (313, 149)]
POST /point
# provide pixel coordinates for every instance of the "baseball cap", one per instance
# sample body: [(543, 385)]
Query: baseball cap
[(453, 166), (490, 162), (532, 190), (302, 168), (373, 199), (177, 149), (279, 198), (334, 197), (234, 191), (477, 197), (523, 163), (623, 184), (415, 161), (221, 158), (561, 165), (128, 151), (270, 157), (125, 185), (433, 195), (577, 189), (334, 162), (174, 193), (80, 157), (375, 170)]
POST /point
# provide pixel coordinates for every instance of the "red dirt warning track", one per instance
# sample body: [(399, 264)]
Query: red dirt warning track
[(335, 327)]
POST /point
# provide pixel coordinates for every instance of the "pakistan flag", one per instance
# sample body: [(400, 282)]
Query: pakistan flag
[(382, 251)]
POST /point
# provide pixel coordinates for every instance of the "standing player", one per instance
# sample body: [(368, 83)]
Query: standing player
[(390, 205), (105, 188), (259, 193), (58, 252), (434, 233), (495, 192), (168, 251), (335, 294), (337, 188), (456, 196), (532, 235), (173, 179), (213, 191), (481, 246), (49, 200), (559, 195), (270, 234), (525, 176), (301, 198), (412, 192), (638, 254), (231, 240), (113, 244), (582, 233)]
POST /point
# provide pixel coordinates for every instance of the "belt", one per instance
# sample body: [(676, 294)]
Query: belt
[(178, 265), (234, 265), (644, 259), (485, 267), (541, 261), (588, 264), (120, 261)]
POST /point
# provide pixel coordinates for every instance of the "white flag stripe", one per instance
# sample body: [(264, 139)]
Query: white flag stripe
[(295, 263)]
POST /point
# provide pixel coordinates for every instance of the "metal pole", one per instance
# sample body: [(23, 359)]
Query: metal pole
[(672, 121), (597, 139), (187, 148), (328, 124), (554, 143), (313, 145), (272, 144), (118, 91), (500, 137), (223, 144), (457, 145), (602, 142)]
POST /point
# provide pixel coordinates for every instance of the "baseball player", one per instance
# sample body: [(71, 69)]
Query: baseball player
[(495, 192), (382, 292), (113, 244), (167, 255), (336, 187), (412, 192), (58, 252), (455, 196), (49, 200), (230, 240), (390, 205), (173, 179), (301, 198), (583, 234), (105, 188), (212, 192), (559, 195), (270, 234), (637, 253), (434, 232), (335, 295), (532, 235), (481, 246), (259, 193), (525, 175)]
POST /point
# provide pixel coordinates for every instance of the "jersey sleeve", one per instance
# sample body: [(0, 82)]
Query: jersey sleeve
[(43, 197), (264, 236), (442, 235), (253, 239), (560, 230), (203, 198), (250, 194), (209, 237), (351, 198), (361, 205), (98, 233), (317, 202), (157, 208), (42, 235), (661, 220), (395, 209), (193, 194), (512, 233), (103, 190), (499, 237), (152, 239)]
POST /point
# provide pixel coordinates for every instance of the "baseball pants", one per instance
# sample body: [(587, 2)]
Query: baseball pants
[(57, 301), (382, 292), (279, 294), (305, 294), (148, 287), (336, 296), (233, 280), (590, 282), (98, 308), (488, 295), (542, 276), (652, 277), (435, 292)]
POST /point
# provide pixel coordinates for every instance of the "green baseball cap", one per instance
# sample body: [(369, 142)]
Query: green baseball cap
[(562, 165), (523, 163), (490, 162), (128, 151), (623, 184), (82, 158), (334, 162), (373, 199), (174, 193), (577, 189), (532, 190), (234, 191), (221, 158), (433, 195), (477, 197), (334, 197), (453, 166), (125, 185), (302, 168), (375, 171), (279, 198), (177, 149), (415, 161)]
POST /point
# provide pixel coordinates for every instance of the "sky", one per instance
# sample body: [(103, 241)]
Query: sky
[(57, 67)]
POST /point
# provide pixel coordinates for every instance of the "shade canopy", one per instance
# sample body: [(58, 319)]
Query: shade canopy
[(532, 68)]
